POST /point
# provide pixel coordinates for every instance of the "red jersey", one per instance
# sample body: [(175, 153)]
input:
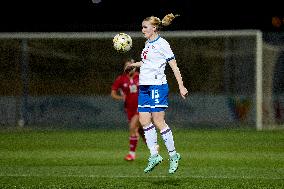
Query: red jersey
[(129, 88)]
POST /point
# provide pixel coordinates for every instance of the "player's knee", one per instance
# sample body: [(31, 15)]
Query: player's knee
[(145, 122), (159, 123)]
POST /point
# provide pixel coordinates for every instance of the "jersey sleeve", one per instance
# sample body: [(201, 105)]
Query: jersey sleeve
[(116, 84), (166, 50)]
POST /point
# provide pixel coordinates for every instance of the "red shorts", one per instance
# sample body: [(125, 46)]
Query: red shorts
[(131, 113)]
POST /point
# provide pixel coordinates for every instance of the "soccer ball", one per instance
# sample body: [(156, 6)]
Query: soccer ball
[(122, 42)]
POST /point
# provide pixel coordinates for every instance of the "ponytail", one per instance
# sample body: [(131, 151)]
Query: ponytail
[(167, 20)]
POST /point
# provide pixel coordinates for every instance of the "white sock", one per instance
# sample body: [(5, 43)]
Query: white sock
[(132, 153), (168, 138), (151, 138)]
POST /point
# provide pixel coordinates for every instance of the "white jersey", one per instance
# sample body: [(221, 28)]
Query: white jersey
[(155, 56)]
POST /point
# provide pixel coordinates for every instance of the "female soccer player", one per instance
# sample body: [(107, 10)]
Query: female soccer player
[(125, 87), (153, 90)]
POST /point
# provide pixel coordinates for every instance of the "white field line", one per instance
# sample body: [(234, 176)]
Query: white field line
[(143, 176)]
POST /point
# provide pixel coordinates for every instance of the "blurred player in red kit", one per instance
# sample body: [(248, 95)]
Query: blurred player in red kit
[(125, 87)]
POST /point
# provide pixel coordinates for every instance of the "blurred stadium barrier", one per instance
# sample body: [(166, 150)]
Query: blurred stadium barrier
[(64, 79)]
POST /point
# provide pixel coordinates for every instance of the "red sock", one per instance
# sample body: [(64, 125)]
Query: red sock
[(133, 140)]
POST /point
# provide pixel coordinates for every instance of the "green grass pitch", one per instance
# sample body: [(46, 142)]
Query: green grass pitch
[(219, 158)]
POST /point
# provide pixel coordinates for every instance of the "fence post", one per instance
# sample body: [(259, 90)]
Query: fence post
[(25, 83)]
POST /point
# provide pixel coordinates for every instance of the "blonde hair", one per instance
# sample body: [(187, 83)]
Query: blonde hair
[(166, 21)]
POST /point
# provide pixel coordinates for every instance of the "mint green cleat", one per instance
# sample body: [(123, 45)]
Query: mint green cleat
[(174, 163), (153, 162)]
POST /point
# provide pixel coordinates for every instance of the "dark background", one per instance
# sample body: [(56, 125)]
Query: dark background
[(116, 15)]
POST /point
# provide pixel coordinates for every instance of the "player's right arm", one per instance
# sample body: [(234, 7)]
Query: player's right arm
[(135, 64), (116, 92), (116, 96)]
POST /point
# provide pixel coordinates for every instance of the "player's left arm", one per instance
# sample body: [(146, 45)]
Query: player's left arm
[(175, 68), (166, 51)]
